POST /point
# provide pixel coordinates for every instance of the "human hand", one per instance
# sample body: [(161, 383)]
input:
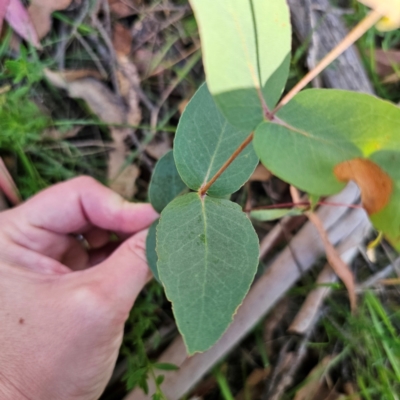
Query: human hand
[(61, 322)]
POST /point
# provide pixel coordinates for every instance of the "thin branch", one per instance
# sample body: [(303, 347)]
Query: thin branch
[(369, 21), (204, 188)]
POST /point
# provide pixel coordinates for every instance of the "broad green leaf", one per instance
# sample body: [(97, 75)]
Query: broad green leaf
[(166, 182), (204, 141), (246, 46), (207, 257), (388, 219), (151, 253), (321, 130), (272, 214)]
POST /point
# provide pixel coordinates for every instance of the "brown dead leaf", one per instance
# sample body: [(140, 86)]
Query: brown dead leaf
[(261, 174), (55, 134), (40, 13), (129, 81), (143, 59), (75, 74), (315, 380), (375, 184), (338, 265), (122, 39), (392, 78), (125, 182), (157, 148), (257, 377), (110, 108), (102, 102), (350, 389), (124, 8), (7, 185), (385, 59)]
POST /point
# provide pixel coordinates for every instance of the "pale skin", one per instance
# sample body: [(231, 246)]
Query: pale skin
[(63, 306)]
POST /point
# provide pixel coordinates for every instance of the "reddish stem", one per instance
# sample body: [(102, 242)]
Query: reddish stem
[(203, 190)]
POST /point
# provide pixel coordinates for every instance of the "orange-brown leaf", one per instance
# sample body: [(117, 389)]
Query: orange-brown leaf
[(375, 184)]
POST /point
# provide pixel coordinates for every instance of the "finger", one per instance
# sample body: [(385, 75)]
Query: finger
[(78, 204), (21, 257), (123, 275)]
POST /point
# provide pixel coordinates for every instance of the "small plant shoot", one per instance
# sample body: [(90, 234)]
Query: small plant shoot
[(204, 249)]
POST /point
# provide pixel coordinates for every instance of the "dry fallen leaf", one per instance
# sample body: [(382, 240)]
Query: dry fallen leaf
[(55, 134), (40, 12), (375, 184), (111, 109), (384, 60), (125, 182), (99, 98), (256, 378), (315, 380), (122, 39), (338, 265), (390, 9), (158, 147), (19, 20), (387, 63), (124, 8), (350, 389), (74, 74), (7, 185)]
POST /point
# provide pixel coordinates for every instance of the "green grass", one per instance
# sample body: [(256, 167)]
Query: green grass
[(372, 340), (37, 160)]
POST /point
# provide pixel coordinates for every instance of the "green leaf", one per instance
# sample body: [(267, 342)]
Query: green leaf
[(246, 47), (208, 255), (276, 213), (151, 253), (166, 182), (165, 366), (314, 200), (160, 379), (203, 143), (320, 129), (388, 219)]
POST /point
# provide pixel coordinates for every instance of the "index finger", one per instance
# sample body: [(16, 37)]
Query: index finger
[(76, 205)]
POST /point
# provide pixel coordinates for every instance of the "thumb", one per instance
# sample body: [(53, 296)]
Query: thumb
[(123, 275)]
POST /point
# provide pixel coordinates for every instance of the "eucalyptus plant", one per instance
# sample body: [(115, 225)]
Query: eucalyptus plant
[(204, 249)]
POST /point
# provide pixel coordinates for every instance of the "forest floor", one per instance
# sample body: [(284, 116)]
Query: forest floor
[(102, 96)]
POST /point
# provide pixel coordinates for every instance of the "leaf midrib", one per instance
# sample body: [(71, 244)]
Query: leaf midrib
[(208, 173), (204, 215)]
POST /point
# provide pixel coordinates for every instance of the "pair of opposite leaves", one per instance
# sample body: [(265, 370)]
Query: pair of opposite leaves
[(206, 248)]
